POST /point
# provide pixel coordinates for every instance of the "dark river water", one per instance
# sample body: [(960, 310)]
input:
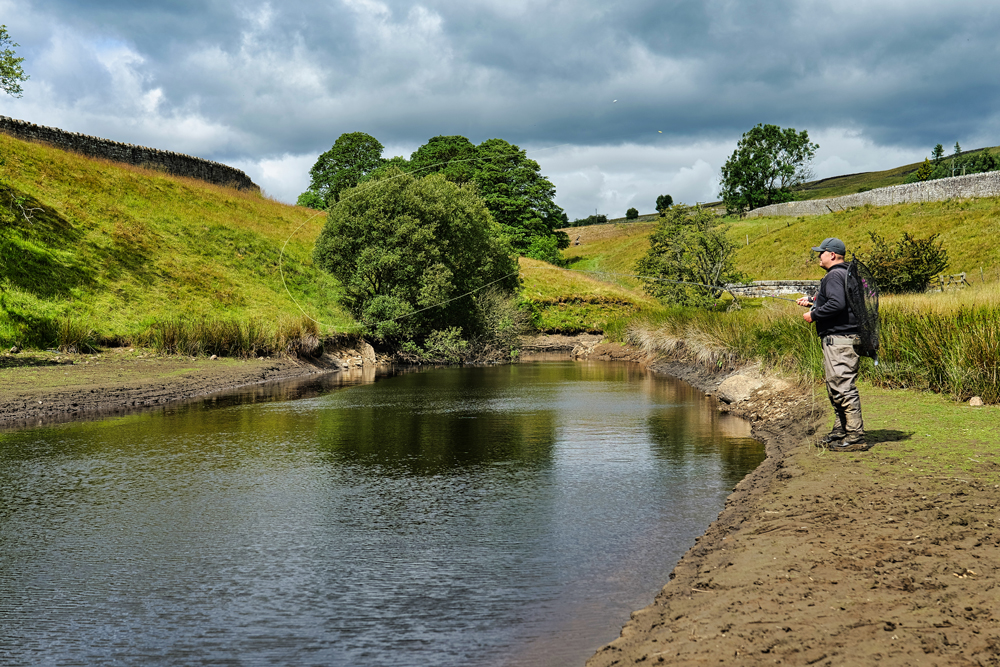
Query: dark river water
[(498, 516)]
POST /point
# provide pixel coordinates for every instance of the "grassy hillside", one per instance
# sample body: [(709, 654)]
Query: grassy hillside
[(566, 301), (93, 250), (852, 183), (113, 250), (778, 247)]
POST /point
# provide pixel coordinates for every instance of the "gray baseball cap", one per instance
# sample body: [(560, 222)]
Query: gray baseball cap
[(831, 245)]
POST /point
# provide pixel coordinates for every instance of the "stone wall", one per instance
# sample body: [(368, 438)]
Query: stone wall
[(760, 288), (957, 187), (177, 164)]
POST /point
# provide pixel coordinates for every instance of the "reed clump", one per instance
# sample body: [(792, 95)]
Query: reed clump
[(232, 338), (945, 343)]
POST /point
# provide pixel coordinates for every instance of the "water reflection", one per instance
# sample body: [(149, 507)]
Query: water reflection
[(465, 516)]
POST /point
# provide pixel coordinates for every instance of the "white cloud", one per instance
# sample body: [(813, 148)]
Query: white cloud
[(614, 178)]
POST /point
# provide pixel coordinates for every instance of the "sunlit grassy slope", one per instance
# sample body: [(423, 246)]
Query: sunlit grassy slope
[(778, 247), (118, 248), (563, 301)]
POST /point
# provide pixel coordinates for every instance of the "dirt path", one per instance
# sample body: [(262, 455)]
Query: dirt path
[(827, 559)]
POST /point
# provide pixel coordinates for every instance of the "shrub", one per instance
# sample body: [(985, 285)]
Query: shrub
[(631, 214), (907, 266)]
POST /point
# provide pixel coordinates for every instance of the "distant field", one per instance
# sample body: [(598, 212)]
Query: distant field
[(776, 248)]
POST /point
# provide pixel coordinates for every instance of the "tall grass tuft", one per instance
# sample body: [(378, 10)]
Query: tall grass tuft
[(75, 337), (206, 336), (946, 343)]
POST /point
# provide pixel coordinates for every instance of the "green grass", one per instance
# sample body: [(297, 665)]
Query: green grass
[(945, 343), (95, 251), (779, 246), (932, 435), (568, 302)]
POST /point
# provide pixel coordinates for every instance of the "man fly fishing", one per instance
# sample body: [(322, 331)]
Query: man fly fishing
[(838, 329)]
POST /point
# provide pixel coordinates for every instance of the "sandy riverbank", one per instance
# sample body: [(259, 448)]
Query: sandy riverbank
[(827, 559)]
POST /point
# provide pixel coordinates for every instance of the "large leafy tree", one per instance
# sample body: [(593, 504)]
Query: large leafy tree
[(454, 156), (767, 163), (351, 159), (521, 199), (690, 259), (11, 72), (408, 251)]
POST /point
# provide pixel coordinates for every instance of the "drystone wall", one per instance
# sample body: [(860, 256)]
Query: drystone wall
[(957, 187), (177, 164), (760, 288)]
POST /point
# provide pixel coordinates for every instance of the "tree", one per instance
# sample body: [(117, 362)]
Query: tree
[(631, 214), (937, 154), (521, 200), (454, 156), (767, 163), (957, 150), (11, 72), (352, 158), (403, 247), (689, 258), (924, 171), (663, 202)]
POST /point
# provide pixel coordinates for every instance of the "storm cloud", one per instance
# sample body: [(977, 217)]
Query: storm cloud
[(268, 86)]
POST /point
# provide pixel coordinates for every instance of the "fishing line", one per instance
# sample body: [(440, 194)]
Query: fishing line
[(362, 187), (654, 278)]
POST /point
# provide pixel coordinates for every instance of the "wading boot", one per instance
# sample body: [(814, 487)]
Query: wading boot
[(835, 435), (855, 442)]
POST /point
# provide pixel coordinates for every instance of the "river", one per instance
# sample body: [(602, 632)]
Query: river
[(497, 517)]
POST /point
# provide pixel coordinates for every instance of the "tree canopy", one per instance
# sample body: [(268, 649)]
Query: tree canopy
[(521, 199), (663, 202), (767, 163), (11, 72), (454, 156), (403, 246), (511, 185), (351, 159)]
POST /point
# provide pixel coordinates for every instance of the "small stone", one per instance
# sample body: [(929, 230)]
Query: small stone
[(15, 349), (976, 402), (214, 357)]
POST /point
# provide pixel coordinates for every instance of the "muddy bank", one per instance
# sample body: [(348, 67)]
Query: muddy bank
[(49, 387), (825, 559)]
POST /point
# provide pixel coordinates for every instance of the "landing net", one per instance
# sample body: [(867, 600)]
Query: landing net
[(862, 297)]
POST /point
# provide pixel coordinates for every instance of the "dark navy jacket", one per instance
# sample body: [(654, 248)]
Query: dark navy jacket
[(830, 311)]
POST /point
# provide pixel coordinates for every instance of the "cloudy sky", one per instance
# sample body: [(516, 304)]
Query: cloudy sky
[(268, 86)]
